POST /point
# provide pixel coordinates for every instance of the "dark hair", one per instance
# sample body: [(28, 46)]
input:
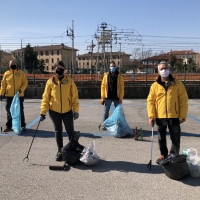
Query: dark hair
[(112, 62), (59, 63)]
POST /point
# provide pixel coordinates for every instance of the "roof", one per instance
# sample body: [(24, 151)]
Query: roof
[(160, 57), (107, 53), (4, 52), (49, 47), (182, 52)]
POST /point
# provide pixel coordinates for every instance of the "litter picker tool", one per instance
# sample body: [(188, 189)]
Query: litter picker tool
[(32, 142), (150, 162), (101, 117), (1, 114)]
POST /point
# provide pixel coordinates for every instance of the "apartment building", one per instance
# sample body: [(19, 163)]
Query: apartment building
[(90, 60), (5, 57), (186, 54), (51, 54), (152, 62), (181, 57)]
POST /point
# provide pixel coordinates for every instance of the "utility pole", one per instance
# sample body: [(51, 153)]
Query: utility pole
[(120, 57), (91, 52), (71, 35), (21, 55)]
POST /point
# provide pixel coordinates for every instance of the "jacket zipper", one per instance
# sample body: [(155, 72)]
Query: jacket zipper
[(60, 97), (14, 83)]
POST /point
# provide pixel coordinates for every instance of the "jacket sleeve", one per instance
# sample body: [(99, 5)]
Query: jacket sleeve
[(74, 93), (151, 102), (103, 86), (121, 88), (3, 85), (45, 99), (24, 82), (183, 101)]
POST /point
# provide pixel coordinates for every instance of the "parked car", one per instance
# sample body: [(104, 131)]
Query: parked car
[(140, 72)]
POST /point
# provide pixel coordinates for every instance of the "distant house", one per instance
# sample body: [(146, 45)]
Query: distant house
[(5, 57), (185, 54), (93, 60), (51, 54), (151, 63)]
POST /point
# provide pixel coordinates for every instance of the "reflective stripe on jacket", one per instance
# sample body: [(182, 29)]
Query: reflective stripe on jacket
[(60, 96), (120, 86), (12, 81), (172, 103)]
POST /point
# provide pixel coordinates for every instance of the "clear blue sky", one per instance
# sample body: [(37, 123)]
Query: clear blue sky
[(163, 24)]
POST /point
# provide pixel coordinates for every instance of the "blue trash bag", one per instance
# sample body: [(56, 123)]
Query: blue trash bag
[(16, 114), (117, 125)]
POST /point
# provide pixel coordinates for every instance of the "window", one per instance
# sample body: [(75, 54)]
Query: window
[(41, 53), (58, 52), (47, 68), (52, 60), (52, 68), (57, 59), (47, 60), (87, 63), (47, 53), (52, 53)]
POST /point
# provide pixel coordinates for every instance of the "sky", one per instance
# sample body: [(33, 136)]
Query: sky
[(156, 25)]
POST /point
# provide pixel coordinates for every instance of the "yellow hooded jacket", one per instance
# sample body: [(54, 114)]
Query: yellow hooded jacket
[(60, 96), (12, 81), (172, 103), (120, 86)]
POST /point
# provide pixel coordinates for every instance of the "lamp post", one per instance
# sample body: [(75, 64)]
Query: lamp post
[(184, 71), (34, 77)]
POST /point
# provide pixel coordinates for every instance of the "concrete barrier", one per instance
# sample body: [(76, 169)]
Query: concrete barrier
[(94, 92)]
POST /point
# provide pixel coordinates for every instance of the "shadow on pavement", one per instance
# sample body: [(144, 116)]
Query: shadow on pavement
[(49, 134)]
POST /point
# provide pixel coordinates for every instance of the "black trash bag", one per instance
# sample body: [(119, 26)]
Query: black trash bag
[(175, 166), (71, 153)]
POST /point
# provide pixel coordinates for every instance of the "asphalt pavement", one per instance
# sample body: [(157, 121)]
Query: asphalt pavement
[(121, 173)]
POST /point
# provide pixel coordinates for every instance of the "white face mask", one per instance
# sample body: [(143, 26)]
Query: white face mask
[(164, 73)]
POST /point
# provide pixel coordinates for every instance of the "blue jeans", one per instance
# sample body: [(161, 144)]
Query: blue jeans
[(107, 105)]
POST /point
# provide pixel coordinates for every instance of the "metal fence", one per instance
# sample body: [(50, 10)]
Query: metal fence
[(131, 80)]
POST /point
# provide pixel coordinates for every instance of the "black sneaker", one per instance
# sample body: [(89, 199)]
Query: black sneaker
[(160, 159), (59, 156)]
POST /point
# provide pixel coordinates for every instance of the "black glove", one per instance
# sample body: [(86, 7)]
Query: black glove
[(42, 117), (1, 98), (76, 115)]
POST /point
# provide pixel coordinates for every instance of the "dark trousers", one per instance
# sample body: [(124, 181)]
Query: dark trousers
[(175, 135), (57, 119), (9, 118)]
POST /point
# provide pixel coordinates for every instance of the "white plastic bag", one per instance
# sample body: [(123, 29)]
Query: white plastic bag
[(16, 114), (193, 161), (89, 155)]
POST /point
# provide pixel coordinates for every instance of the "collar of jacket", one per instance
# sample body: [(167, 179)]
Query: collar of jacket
[(55, 79), (171, 77), (11, 70)]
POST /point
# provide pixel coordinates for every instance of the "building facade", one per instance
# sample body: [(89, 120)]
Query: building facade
[(99, 61), (5, 58), (52, 54)]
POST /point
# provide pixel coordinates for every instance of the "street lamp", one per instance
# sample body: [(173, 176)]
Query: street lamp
[(33, 71), (184, 62)]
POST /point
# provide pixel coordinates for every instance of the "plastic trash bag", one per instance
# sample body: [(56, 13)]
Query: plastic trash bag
[(175, 166), (193, 161), (16, 114), (89, 155), (117, 125)]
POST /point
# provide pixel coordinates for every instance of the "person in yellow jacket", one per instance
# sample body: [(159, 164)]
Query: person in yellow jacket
[(60, 98), (112, 90), (167, 105), (14, 80)]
